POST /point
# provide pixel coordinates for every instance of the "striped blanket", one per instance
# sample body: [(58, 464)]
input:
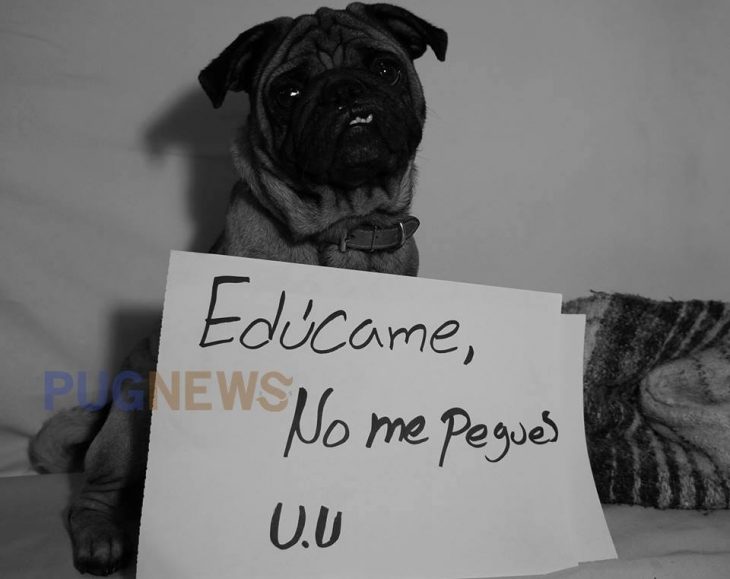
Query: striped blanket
[(657, 400)]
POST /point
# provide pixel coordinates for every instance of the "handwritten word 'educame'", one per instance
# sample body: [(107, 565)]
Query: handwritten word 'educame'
[(322, 334)]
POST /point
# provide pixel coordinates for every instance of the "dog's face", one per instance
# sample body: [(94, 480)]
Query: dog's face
[(337, 110), (344, 108)]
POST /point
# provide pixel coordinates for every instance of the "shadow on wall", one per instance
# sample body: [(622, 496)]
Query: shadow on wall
[(192, 129)]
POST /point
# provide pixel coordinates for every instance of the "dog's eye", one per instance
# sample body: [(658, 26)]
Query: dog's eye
[(287, 93), (387, 69)]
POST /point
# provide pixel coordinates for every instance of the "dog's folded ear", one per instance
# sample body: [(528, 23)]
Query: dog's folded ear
[(236, 67), (414, 33)]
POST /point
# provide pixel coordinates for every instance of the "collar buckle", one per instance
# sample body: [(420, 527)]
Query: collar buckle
[(373, 233), (403, 237)]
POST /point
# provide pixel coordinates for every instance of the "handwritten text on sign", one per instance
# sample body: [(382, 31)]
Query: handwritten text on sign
[(383, 426)]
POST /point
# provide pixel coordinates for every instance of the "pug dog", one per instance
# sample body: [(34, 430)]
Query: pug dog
[(326, 161)]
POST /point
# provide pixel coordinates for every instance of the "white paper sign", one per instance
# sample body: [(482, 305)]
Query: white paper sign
[(317, 422)]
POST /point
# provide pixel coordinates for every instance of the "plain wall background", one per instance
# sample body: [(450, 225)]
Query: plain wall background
[(581, 145), (570, 145)]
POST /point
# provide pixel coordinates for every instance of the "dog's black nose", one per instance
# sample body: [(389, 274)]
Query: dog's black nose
[(342, 91)]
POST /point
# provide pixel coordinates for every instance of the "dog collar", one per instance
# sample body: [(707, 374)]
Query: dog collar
[(376, 238)]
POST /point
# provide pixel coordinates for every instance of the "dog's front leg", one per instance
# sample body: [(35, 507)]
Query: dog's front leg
[(104, 517)]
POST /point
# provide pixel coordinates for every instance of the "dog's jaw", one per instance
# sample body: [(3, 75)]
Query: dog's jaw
[(308, 209)]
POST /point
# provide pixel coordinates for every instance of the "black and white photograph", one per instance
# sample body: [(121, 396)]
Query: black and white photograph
[(410, 290)]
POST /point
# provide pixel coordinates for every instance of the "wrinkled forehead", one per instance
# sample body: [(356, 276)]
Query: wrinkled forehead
[(331, 39)]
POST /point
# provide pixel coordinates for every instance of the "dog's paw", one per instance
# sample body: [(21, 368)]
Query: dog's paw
[(98, 543)]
